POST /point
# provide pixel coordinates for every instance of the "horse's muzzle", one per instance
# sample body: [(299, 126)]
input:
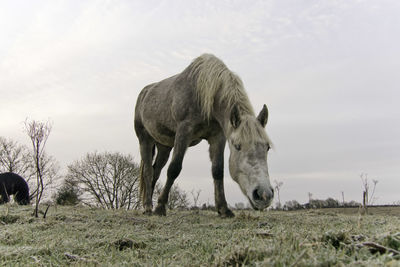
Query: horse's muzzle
[(261, 197)]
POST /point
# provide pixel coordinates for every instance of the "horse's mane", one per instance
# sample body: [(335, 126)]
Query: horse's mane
[(212, 77)]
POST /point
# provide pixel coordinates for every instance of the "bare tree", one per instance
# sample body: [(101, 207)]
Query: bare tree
[(343, 203), (15, 158), (367, 198), (177, 197), (277, 188), (195, 195), (110, 180), (39, 132)]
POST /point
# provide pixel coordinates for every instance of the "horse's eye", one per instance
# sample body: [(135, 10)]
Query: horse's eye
[(268, 147), (238, 147)]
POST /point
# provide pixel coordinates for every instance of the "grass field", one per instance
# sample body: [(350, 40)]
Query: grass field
[(94, 237)]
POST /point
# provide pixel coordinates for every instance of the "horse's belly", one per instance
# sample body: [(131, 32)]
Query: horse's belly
[(195, 142), (161, 134), (165, 136)]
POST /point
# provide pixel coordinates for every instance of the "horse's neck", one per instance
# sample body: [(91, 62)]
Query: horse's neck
[(222, 114)]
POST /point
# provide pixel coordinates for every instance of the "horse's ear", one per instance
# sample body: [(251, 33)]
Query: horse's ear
[(263, 116), (235, 117)]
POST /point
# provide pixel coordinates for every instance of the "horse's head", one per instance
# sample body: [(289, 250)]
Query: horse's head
[(24, 201), (22, 197), (249, 145)]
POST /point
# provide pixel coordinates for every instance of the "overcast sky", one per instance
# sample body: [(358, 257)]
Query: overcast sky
[(327, 70)]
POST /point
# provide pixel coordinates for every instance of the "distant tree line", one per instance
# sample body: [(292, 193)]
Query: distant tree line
[(318, 204)]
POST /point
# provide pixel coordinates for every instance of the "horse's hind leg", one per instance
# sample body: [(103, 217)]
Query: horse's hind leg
[(217, 146), (147, 157), (161, 159), (146, 144), (181, 143)]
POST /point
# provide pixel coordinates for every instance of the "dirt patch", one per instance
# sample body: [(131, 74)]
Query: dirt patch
[(8, 219), (125, 243)]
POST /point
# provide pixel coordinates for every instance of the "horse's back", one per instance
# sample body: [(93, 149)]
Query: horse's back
[(13, 184), (161, 106), (10, 181)]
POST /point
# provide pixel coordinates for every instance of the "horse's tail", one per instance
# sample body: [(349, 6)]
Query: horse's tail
[(142, 187)]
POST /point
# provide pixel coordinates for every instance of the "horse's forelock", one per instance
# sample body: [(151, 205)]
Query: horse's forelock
[(250, 131)]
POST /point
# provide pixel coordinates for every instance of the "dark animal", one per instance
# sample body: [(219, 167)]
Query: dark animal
[(13, 184), (205, 101)]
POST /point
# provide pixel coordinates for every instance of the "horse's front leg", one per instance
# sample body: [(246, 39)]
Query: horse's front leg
[(182, 141), (217, 146), (161, 160)]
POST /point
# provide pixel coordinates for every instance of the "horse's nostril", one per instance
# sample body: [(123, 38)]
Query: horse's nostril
[(257, 194), (260, 194)]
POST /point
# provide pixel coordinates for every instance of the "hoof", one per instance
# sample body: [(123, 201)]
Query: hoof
[(160, 211), (226, 214)]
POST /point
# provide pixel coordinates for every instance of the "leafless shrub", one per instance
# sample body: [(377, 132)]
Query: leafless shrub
[(110, 180), (44, 166), (195, 196), (177, 197)]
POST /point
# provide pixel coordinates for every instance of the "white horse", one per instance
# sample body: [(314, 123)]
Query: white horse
[(205, 101)]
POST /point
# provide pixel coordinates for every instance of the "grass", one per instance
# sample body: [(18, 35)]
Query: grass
[(95, 237)]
